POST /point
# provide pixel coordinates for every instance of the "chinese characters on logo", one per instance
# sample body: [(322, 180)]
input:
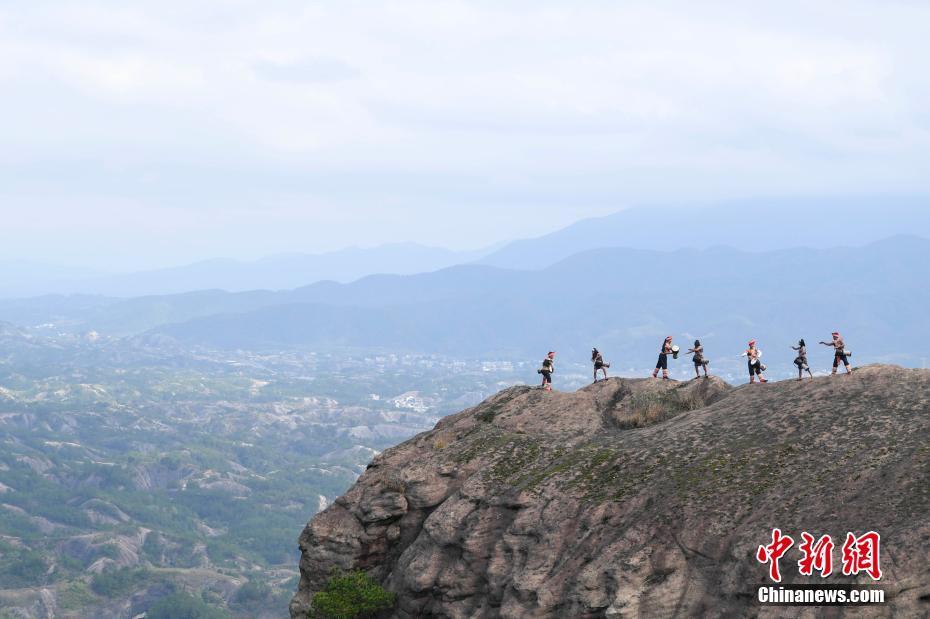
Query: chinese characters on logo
[(817, 556), (860, 554)]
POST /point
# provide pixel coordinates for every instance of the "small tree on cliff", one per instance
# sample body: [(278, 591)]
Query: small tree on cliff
[(351, 595)]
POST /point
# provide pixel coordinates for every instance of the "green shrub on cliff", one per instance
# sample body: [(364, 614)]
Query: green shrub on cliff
[(351, 595)]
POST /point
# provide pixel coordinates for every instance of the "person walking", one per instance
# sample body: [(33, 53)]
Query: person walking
[(599, 364), (755, 362), (839, 354), (547, 369), (662, 363), (801, 359), (699, 360)]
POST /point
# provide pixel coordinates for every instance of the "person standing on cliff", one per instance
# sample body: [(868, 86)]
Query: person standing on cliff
[(662, 363), (801, 360), (699, 360), (599, 364), (839, 347), (548, 367), (755, 362)]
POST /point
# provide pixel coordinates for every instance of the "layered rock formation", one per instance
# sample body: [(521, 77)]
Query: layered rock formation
[(638, 498)]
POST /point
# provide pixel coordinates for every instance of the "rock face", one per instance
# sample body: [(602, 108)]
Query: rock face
[(639, 498)]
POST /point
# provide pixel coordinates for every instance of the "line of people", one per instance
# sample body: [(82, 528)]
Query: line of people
[(752, 353)]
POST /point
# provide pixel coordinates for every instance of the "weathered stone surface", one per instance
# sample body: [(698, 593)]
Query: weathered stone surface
[(638, 498)]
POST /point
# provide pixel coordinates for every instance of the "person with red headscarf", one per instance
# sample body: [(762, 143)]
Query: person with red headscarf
[(755, 362), (840, 354), (662, 363)]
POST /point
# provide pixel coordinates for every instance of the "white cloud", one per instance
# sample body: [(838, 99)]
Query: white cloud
[(452, 112)]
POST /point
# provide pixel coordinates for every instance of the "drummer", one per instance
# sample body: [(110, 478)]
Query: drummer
[(662, 364)]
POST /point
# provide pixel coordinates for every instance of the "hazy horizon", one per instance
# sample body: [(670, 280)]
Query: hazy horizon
[(249, 255)]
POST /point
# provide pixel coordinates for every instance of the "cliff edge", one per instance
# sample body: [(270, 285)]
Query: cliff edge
[(639, 497)]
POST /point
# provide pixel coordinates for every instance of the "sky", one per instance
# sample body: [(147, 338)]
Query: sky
[(146, 134)]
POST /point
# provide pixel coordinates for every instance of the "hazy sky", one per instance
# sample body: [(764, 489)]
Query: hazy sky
[(159, 132)]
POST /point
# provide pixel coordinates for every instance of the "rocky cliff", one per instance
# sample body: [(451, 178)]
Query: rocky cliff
[(638, 498)]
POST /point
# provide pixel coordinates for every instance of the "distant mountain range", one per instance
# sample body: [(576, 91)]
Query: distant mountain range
[(750, 225), (278, 272), (624, 301)]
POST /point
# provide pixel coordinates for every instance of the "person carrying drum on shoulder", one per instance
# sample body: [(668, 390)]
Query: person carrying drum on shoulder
[(801, 359), (840, 354), (699, 360), (755, 362), (548, 367), (662, 363), (599, 364)]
